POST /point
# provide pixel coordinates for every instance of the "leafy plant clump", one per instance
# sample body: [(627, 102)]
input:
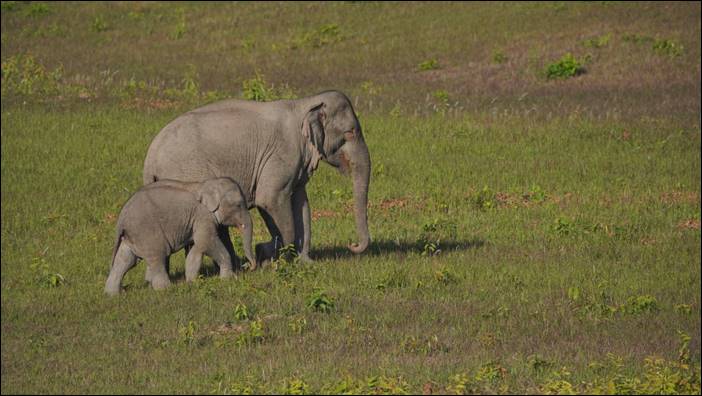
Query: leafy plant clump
[(566, 67), (430, 64), (259, 90)]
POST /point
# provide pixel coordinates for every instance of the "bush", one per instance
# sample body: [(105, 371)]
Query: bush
[(566, 67)]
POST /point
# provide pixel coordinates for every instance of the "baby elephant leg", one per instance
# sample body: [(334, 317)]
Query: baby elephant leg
[(124, 260), (157, 270), (217, 251), (193, 261), (148, 275)]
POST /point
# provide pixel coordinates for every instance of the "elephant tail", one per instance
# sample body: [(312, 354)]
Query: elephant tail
[(118, 242)]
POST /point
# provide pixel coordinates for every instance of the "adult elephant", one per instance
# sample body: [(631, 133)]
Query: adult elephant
[(271, 149)]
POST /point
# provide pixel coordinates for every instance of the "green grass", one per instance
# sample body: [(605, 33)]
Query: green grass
[(528, 235)]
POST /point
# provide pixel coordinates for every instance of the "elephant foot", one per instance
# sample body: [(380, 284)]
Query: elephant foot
[(305, 258), (265, 252), (160, 283)]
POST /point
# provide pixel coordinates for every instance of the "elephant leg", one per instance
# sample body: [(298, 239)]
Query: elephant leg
[(218, 252), (279, 220), (225, 238), (193, 262), (148, 276), (303, 223), (124, 260), (265, 251), (159, 276)]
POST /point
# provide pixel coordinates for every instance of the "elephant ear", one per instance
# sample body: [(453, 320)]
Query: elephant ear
[(210, 196), (313, 133)]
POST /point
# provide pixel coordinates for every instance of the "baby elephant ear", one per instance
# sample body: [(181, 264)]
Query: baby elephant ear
[(209, 196)]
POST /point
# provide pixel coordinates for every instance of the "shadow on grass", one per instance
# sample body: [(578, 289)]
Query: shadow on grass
[(384, 246), (376, 248)]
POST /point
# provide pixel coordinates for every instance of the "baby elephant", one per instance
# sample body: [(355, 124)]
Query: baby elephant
[(163, 217)]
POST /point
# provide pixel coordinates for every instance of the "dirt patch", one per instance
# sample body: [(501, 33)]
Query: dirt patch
[(388, 204), (319, 214), (689, 224), (680, 197)]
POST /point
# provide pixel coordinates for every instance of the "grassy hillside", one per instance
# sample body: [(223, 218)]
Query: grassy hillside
[(532, 231)]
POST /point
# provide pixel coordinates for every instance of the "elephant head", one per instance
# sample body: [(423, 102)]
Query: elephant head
[(224, 198), (334, 136)]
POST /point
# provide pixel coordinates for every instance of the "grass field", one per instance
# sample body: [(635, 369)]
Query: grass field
[(531, 233)]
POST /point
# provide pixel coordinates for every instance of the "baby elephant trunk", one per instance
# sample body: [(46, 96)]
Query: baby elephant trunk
[(246, 239)]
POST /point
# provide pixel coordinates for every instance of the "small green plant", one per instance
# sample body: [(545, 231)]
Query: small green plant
[(445, 276), (684, 309), (324, 35), (425, 345), (257, 89), (37, 10), (295, 386), (99, 24), (640, 304), (320, 302), (598, 42), (241, 312), (564, 68), (297, 325), (429, 64), (484, 199), (9, 5), (442, 96), (181, 27), (186, 333), (431, 249), (255, 334), (535, 194), (44, 277), (668, 47), (564, 226), (499, 57)]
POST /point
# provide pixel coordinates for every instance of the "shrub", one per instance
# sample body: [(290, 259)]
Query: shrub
[(566, 67), (430, 64)]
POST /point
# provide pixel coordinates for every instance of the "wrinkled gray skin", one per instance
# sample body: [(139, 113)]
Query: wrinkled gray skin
[(166, 216), (271, 149)]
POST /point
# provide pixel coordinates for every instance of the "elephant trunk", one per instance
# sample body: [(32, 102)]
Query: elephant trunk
[(360, 172), (246, 241)]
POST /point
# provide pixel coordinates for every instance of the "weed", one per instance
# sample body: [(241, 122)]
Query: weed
[(99, 25), (484, 199), (668, 47), (684, 309), (431, 248), (424, 345), (257, 89), (255, 334), (297, 324), (9, 6), (566, 67), (186, 333), (294, 386), (499, 57), (536, 194), (22, 75), (241, 312), (598, 42), (445, 276), (320, 302), (44, 277), (324, 35), (640, 304), (429, 64), (181, 27), (36, 10)]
